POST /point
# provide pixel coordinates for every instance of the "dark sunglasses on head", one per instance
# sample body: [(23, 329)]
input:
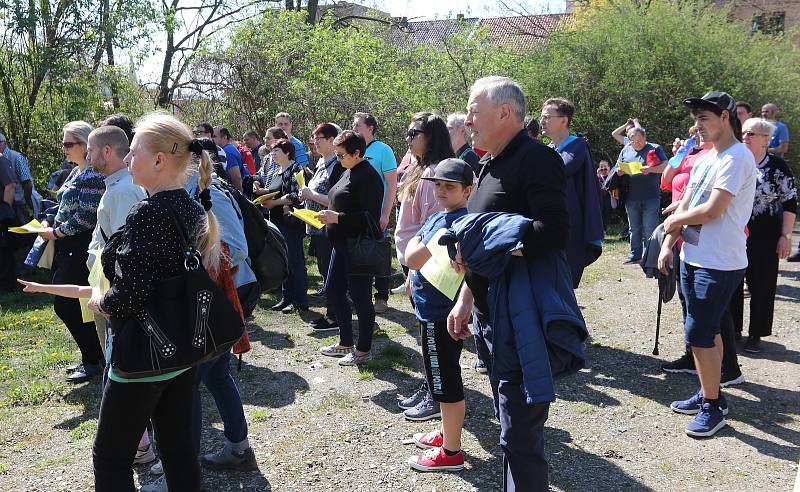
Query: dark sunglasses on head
[(413, 132), (69, 145)]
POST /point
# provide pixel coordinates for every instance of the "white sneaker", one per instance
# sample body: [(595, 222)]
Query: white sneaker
[(157, 468), (146, 456), (400, 289)]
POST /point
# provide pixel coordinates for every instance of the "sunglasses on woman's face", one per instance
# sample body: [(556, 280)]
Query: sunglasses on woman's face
[(753, 134), (69, 145), (341, 156), (413, 132)]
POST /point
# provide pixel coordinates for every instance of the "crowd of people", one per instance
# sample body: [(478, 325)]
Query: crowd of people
[(493, 229)]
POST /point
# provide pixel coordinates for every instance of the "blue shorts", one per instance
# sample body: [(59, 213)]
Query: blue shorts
[(708, 293)]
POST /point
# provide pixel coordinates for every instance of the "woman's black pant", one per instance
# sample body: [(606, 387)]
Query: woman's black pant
[(69, 267), (124, 413), (322, 250), (762, 282), (339, 283)]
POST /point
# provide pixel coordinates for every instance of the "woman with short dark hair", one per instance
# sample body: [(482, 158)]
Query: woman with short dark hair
[(281, 178), (355, 208)]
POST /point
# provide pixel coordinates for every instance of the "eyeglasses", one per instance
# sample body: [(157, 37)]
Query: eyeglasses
[(546, 117), (753, 134), (69, 145), (340, 156), (413, 132)]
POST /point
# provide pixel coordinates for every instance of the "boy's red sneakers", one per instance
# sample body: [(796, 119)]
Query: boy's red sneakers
[(432, 439), (435, 459)]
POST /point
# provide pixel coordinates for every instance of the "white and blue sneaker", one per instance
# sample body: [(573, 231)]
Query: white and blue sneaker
[(693, 404), (707, 422)]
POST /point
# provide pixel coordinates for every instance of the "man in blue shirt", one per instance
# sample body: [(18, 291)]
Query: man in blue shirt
[(779, 143), (283, 120), (643, 200), (234, 163), (384, 161)]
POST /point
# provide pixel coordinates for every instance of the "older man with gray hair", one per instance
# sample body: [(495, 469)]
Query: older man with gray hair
[(779, 140), (644, 162), (526, 180), (460, 140)]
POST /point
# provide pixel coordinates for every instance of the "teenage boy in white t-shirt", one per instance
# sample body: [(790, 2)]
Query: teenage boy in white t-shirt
[(711, 218)]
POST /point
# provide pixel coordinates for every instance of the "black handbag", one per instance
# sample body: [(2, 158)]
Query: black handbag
[(188, 320), (370, 252)]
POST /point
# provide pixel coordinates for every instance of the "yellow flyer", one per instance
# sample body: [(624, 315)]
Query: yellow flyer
[(266, 197), (438, 271), (32, 227), (301, 179), (310, 217), (631, 167), (97, 281)]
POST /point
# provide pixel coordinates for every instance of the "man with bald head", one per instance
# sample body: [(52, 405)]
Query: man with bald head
[(779, 143), (108, 146)]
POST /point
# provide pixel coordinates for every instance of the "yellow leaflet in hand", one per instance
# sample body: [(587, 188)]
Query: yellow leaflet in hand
[(32, 227), (301, 179), (631, 167), (268, 196), (438, 270), (98, 283), (310, 217)]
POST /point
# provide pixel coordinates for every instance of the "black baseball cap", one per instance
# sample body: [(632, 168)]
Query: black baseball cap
[(454, 170), (713, 101)]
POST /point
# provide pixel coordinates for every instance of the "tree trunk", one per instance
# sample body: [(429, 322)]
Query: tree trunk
[(312, 11), (164, 91)]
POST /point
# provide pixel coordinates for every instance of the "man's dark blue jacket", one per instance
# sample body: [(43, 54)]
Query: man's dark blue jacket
[(537, 329)]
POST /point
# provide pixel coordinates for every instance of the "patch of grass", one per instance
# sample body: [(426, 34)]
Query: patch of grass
[(84, 430), (586, 409), (4, 468), (35, 393), (365, 375), (260, 415)]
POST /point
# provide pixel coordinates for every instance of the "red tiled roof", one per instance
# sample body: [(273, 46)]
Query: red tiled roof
[(519, 31), (524, 31)]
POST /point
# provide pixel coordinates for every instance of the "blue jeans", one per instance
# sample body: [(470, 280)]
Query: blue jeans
[(337, 285), (294, 289), (215, 374), (643, 220)]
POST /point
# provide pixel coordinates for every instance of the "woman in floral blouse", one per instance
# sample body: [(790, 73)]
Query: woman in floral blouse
[(770, 229)]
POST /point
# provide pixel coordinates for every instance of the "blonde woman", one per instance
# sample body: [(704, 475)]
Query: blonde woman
[(146, 252), (71, 230)]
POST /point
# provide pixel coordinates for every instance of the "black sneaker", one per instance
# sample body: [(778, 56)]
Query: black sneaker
[(84, 373), (730, 378), (752, 345), (631, 261), (325, 325), (684, 364), (281, 305), (794, 258)]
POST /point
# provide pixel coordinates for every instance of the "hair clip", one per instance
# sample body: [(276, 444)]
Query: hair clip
[(174, 148)]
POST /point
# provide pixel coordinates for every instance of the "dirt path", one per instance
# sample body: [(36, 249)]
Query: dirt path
[(316, 426)]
